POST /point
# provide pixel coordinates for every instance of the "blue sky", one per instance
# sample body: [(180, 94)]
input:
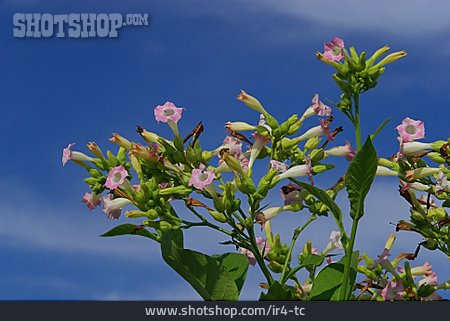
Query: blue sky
[(198, 54)]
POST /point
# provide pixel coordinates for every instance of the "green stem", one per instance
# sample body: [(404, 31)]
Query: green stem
[(297, 232), (258, 256), (357, 122), (349, 253)]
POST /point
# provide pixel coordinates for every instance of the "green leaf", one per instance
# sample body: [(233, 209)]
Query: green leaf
[(236, 265), (359, 177), (278, 292), (322, 196), (312, 259), (129, 229), (328, 282), (372, 137), (446, 203), (204, 273)]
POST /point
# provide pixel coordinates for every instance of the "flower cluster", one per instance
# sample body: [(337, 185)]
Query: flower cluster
[(150, 176)]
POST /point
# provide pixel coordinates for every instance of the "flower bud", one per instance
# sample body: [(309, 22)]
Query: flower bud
[(93, 147), (251, 102), (312, 143), (151, 214), (288, 143), (121, 141), (219, 217), (179, 190), (391, 58), (322, 168), (436, 157)]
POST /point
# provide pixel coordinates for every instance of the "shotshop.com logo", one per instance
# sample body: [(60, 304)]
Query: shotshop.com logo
[(74, 25)]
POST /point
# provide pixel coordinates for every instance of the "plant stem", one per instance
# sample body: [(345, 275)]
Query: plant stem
[(258, 256), (297, 232), (349, 253), (357, 122)]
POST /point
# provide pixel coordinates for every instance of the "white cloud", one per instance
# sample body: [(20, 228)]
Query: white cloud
[(410, 18)]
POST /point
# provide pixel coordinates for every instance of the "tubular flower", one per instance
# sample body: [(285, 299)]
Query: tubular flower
[(200, 178), (346, 151), (297, 171), (421, 172), (113, 207), (384, 171), (291, 194), (278, 166), (116, 177), (68, 154), (410, 130), (258, 145), (430, 279), (167, 112), (334, 50), (321, 130), (91, 200), (269, 213), (425, 269), (393, 290), (238, 126), (335, 243), (414, 148)]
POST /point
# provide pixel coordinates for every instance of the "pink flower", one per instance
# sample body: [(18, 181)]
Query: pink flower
[(319, 107), (278, 166), (425, 269), (91, 200), (335, 238), (410, 130), (233, 144), (393, 290), (430, 279), (116, 177), (346, 151), (298, 171), (263, 248), (335, 243), (201, 178), (291, 194), (382, 259), (321, 130), (168, 112), (113, 207), (334, 50), (442, 184), (258, 145), (68, 154)]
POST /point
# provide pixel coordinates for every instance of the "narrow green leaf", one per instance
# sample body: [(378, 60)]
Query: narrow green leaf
[(328, 282), (204, 273), (278, 292), (372, 137), (322, 196), (129, 229), (359, 177)]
